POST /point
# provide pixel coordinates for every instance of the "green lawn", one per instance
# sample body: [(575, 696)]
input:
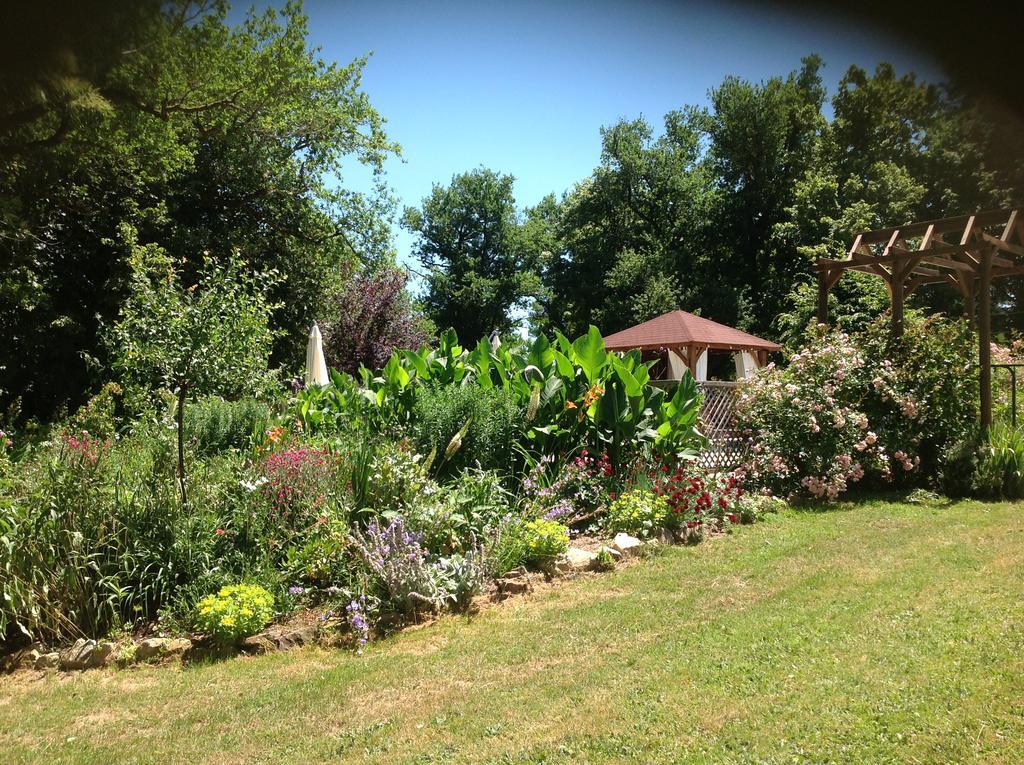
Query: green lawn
[(867, 634)]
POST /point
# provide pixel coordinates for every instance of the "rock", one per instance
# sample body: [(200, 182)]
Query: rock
[(580, 559), (48, 661), (25, 659), (665, 536), (102, 654), (514, 586), (77, 656), (178, 647), (86, 654), (160, 647), (150, 647), (560, 566), (515, 582), (277, 639), (294, 638), (258, 644), (626, 544)]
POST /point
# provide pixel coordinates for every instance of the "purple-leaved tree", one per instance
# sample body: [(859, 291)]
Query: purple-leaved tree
[(371, 317)]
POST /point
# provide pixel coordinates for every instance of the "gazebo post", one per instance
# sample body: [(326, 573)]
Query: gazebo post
[(985, 335)]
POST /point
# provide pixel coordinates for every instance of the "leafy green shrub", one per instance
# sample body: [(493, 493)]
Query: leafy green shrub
[(467, 425), (92, 536), (544, 540), (97, 416), (638, 512), (407, 578), (452, 517), (604, 561), (506, 548), (320, 558), (387, 476), (752, 507), (1000, 471), (235, 612), (460, 577), (87, 537), (865, 407), (213, 424), (958, 464), (567, 395)]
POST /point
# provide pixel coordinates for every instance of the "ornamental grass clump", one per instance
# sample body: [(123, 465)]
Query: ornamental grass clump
[(235, 612), (638, 512)]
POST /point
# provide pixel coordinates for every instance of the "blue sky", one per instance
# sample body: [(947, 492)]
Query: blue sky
[(523, 88)]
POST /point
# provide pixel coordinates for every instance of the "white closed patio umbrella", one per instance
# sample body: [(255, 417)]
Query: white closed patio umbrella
[(316, 367)]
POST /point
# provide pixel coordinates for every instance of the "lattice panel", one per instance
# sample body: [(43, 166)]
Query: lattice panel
[(726, 445)]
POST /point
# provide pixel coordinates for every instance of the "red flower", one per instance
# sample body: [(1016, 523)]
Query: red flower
[(219, 532), (733, 518)]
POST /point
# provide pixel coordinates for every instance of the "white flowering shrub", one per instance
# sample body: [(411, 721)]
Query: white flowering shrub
[(849, 408)]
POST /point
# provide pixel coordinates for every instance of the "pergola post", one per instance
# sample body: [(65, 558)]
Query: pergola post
[(896, 295), (985, 334), (823, 296)]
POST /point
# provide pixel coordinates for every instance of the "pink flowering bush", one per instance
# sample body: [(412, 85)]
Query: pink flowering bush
[(83, 449), (846, 409), (297, 482)]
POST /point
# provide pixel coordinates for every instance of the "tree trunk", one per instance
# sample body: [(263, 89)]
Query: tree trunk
[(182, 392)]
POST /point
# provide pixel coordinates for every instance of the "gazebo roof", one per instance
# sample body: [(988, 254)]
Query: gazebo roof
[(679, 328)]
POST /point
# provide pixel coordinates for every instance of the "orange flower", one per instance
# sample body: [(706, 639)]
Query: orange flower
[(275, 434), (570, 404), (595, 392)]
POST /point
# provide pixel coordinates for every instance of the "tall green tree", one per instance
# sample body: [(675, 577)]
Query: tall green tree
[(195, 134), (896, 150), (210, 336), (468, 238), (626, 234), (726, 211)]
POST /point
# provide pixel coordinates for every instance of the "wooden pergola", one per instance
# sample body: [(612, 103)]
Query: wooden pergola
[(967, 251)]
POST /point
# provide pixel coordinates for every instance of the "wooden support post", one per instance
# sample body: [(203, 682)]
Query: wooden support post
[(823, 279), (897, 293), (985, 335)]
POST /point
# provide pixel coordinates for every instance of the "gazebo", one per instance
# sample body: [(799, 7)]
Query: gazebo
[(684, 340)]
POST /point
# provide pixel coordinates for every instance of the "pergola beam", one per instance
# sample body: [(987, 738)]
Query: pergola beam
[(939, 226)]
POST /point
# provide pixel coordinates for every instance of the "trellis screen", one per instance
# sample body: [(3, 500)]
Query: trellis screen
[(727, 446)]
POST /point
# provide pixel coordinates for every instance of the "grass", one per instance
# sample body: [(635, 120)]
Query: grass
[(873, 633)]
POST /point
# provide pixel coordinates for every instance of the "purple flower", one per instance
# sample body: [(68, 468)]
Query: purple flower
[(296, 590)]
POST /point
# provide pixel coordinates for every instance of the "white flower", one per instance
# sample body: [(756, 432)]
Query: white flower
[(253, 485)]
